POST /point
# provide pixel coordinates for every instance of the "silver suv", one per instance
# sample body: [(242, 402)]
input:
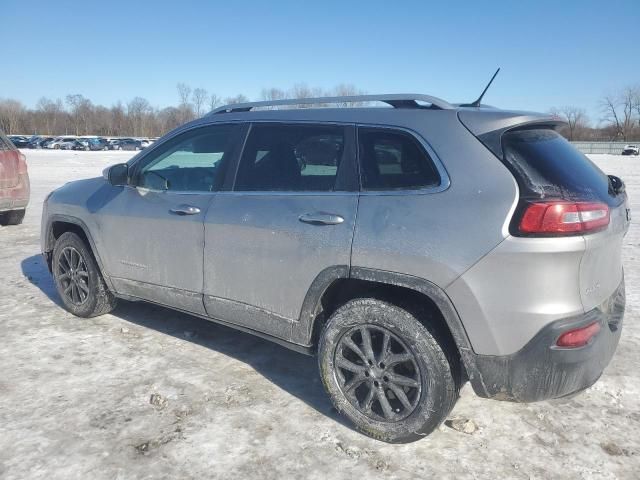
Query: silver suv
[(411, 248)]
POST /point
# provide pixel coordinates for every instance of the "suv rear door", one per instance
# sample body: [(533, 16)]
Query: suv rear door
[(290, 216)]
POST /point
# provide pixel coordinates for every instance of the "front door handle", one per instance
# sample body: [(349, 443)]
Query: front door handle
[(321, 218), (185, 210)]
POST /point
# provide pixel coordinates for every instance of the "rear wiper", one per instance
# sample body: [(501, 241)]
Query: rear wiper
[(616, 185)]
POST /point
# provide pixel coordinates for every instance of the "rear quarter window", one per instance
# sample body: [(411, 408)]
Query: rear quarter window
[(548, 166), (394, 160)]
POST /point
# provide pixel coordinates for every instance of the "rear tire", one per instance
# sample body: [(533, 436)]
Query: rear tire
[(398, 390), (78, 279), (13, 217)]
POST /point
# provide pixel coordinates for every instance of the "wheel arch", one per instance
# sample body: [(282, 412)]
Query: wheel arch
[(59, 224), (336, 285)]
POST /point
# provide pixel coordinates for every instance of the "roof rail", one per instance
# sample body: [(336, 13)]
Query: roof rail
[(396, 100)]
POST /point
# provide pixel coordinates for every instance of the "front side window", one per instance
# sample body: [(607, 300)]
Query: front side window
[(392, 159), (193, 162), (281, 157)]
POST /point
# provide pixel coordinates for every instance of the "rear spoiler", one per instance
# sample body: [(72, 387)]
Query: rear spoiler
[(488, 126)]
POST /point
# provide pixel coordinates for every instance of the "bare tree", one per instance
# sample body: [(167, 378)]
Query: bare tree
[(186, 109), (138, 110), (51, 114), (273, 94), (237, 99), (118, 120), (618, 111), (184, 93), (200, 97), (301, 91), (214, 101), (80, 112), (575, 117), (347, 90), (11, 116), (636, 104)]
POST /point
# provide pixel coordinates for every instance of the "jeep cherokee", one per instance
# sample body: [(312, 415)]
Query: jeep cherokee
[(412, 248)]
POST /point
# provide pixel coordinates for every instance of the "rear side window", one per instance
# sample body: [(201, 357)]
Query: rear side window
[(548, 166), (279, 157), (392, 159)]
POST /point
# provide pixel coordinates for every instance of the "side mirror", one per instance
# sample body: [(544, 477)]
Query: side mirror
[(117, 175)]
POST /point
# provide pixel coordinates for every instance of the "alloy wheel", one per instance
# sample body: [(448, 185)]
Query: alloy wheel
[(73, 275), (377, 373)]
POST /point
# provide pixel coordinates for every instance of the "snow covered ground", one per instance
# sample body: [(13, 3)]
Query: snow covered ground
[(150, 393)]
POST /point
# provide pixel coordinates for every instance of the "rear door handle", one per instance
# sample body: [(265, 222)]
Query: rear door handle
[(321, 218), (185, 210)]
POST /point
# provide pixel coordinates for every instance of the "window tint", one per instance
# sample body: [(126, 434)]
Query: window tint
[(291, 158), (391, 159), (547, 165), (194, 161)]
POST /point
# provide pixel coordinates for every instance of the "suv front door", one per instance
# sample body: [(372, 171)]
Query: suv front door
[(153, 228), (289, 217)]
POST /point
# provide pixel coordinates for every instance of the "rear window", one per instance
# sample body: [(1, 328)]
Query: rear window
[(548, 166)]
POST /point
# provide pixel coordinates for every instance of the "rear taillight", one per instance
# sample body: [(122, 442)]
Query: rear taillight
[(578, 337), (564, 218), (22, 164)]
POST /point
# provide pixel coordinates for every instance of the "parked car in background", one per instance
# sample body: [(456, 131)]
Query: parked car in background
[(14, 183), (45, 143), (74, 145), (411, 248), (38, 142), (98, 144), (114, 144), (19, 141), (57, 142), (631, 150), (130, 144)]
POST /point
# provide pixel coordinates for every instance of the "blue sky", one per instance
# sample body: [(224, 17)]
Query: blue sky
[(552, 53)]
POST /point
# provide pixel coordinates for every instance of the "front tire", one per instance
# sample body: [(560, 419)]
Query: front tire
[(385, 371), (13, 217), (78, 279)]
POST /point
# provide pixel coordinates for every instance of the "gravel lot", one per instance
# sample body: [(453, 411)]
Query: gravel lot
[(150, 393)]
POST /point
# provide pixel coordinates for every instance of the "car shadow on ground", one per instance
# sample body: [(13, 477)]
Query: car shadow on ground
[(293, 372)]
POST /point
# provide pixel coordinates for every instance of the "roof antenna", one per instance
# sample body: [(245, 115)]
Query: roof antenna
[(477, 102)]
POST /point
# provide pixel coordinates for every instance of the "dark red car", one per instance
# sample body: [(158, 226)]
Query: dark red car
[(14, 183)]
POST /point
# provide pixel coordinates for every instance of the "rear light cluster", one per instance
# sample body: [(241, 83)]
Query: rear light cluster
[(578, 337), (564, 218), (22, 164)]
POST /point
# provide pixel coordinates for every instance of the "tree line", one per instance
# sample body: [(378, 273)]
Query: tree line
[(78, 115), (619, 120)]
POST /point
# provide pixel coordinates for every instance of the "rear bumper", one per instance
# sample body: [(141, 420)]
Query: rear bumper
[(541, 371)]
